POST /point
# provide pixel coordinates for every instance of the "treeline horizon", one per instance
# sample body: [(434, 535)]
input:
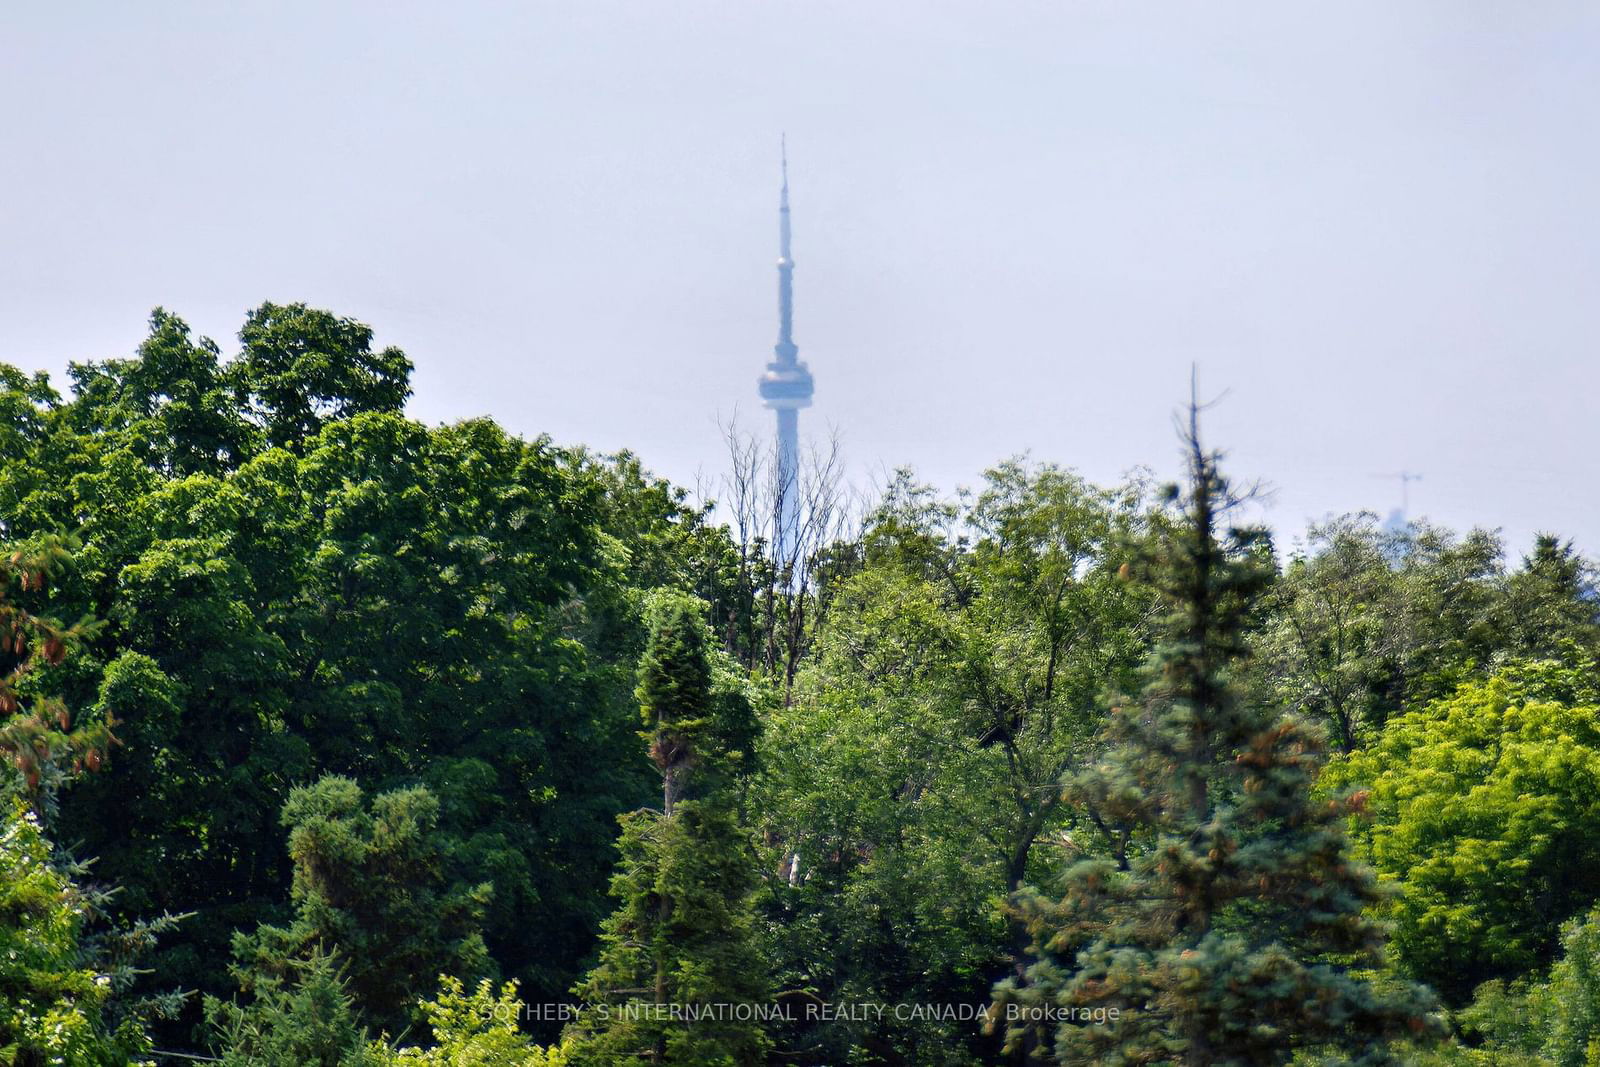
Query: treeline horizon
[(336, 738)]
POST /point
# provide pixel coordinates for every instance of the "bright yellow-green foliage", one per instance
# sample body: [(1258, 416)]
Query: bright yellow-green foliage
[(49, 1000), (1486, 810), (477, 1029)]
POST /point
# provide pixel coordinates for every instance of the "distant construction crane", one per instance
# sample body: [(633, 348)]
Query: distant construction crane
[(1399, 517)]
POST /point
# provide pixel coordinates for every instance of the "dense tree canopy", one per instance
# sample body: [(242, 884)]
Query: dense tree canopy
[(377, 711), (913, 780), (381, 600)]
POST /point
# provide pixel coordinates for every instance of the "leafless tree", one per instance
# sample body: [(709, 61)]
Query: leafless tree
[(783, 569)]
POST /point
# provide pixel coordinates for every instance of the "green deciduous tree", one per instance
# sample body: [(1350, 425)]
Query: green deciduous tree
[(1549, 604), (1484, 813), (1569, 1002), (300, 367), (912, 783), (1539, 1019), (175, 399), (382, 600), (1369, 621)]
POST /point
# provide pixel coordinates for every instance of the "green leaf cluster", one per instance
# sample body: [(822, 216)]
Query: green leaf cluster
[(52, 1003), (473, 1029), (1485, 814)]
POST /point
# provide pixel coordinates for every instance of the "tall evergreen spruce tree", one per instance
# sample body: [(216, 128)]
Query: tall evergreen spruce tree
[(680, 979), (1234, 932)]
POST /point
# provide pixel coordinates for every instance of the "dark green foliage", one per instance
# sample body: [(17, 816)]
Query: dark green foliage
[(384, 601), (697, 734), (1549, 605), (1541, 1019), (452, 631), (675, 673), (674, 691), (682, 940), (662, 541), (301, 367), (1563, 1012), (37, 738), (65, 970), (1234, 931), (118, 951), (374, 888), (175, 400)]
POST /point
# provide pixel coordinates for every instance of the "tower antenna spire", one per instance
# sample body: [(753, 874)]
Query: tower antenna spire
[(786, 348)]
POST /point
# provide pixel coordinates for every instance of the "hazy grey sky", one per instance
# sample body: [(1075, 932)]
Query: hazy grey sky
[(1016, 224)]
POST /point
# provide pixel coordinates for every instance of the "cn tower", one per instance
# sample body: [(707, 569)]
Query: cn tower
[(786, 387)]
